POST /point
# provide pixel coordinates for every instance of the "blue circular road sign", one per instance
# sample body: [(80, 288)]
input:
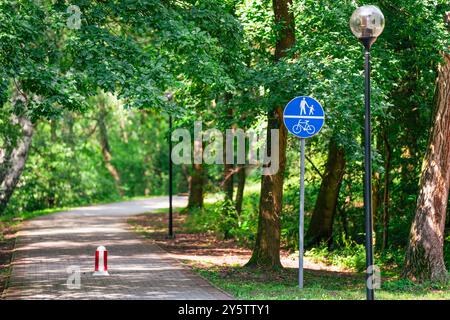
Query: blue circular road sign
[(304, 117)]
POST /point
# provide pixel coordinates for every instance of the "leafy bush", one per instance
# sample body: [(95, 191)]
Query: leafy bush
[(290, 215), (66, 168), (350, 255), (222, 219), (402, 284)]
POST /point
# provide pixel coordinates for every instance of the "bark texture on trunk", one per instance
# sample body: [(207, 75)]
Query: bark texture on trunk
[(241, 177), (13, 162), (104, 143), (343, 209), (266, 252), (376, 192), (321, 225), (387, 179), (425, 253), (228, 179), (51, 195), (228, 172), (196, 180)]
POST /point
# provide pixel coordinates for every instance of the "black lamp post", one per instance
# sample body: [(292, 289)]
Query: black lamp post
[(367, 23), (170, 235)]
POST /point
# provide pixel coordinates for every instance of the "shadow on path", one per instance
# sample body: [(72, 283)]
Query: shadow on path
[(47, 246)]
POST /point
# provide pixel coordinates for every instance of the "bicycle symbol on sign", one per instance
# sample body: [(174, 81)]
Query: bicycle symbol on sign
[(303, 125)]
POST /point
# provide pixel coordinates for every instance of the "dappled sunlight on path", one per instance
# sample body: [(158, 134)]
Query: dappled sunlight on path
[(138, 269)]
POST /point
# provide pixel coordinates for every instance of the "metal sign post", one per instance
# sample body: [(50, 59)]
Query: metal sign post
[(302, 214), (303, 117)]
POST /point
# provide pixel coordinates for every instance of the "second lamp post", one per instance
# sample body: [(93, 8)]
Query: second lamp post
[(170, 235), (367, 23)]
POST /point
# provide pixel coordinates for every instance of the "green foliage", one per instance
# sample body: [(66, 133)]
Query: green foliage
[(30, 54), (291, 199), (66, 167), (349, 255), (136, 50), (10, 131), (406, 285), (222, 219)]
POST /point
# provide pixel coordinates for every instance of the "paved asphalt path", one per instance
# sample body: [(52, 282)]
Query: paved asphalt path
[(48, 245)]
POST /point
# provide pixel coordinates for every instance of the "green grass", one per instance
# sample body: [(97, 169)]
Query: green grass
[(164, 210), (253, 284)]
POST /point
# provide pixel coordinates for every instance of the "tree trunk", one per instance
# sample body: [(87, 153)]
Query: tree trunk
[(387, 169), (13, 163), (123, 127), (425, 254), (376, 203), (149, 169), (228, 172), (196, 178), (228, 177), (266, 252), (68, 130), (343, 209), (376, 193), (51, 197), (196, 181), (104, 143), (241, 176), (184, 185), (321, 226)]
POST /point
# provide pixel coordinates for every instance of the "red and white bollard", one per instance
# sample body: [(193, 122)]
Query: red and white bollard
[(101, 262)]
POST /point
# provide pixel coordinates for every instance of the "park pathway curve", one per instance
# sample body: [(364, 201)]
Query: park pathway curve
[(48, 245)]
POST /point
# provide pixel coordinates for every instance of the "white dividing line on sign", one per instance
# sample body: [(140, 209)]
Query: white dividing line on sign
[(304, 117)]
